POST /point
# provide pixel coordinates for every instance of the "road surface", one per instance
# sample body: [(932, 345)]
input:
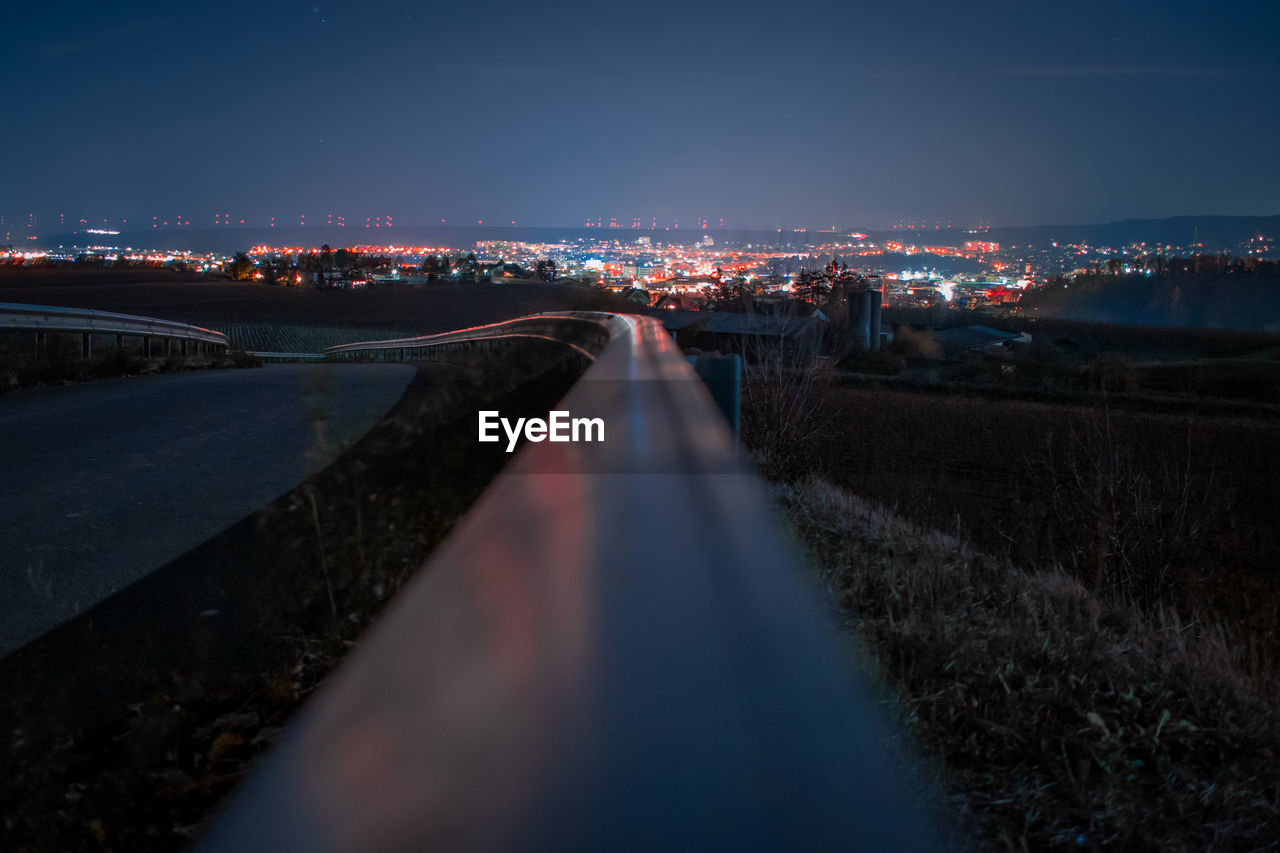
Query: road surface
[(105, 482)]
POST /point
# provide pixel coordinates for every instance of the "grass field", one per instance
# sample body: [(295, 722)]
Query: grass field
[(214, 302)]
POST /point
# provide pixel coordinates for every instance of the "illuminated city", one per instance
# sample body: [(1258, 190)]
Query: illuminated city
[(973, 274)]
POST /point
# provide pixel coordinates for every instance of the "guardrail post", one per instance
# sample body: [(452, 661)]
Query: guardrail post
[(40, 342), (875, 320), (119, 342), (722, 375), (146, 346), (86, 344)]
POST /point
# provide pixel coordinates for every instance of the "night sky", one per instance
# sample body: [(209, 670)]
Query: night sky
[(765, 115)]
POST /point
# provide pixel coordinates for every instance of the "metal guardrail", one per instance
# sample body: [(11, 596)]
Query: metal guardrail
[(584, 331), (288, 356), (613, 650), (50, 318)]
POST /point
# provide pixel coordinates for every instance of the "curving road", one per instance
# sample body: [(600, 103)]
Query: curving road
[(105, 482)]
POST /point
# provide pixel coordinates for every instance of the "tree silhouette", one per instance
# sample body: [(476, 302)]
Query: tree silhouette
[(733, 295), (241, 267), (812, 286)]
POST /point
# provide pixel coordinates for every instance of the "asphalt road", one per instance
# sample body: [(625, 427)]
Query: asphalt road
[(102, 483)]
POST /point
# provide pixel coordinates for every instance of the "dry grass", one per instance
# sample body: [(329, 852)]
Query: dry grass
[(1057, 719)]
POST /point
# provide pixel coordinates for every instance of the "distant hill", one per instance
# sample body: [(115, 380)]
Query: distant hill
[(1215, 233), (1207, 292)]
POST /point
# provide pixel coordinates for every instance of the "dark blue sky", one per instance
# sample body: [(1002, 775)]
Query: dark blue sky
[(775, 114)]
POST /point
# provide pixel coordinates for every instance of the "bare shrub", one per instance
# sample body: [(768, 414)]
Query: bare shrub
[(785, 411), (1127, 519)]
